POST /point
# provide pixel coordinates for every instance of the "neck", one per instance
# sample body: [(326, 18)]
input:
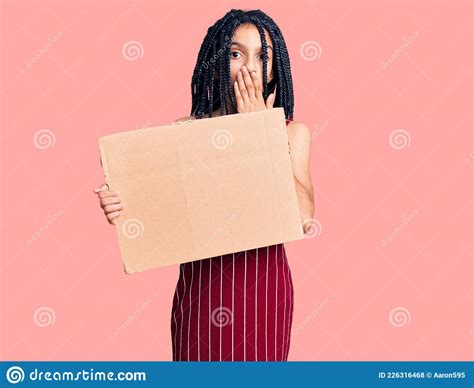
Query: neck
[(217, 112)]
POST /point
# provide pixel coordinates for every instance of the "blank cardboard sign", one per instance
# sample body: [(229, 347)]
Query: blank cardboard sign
[(202, 188)]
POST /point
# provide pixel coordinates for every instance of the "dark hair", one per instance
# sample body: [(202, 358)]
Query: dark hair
[(211, 82)]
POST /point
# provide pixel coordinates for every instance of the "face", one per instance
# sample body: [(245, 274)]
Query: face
[(246, 50)]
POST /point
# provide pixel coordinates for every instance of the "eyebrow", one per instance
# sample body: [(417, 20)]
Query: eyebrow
[(245, 47)]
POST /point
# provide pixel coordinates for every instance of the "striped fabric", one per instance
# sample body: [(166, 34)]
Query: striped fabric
[(235, 307)]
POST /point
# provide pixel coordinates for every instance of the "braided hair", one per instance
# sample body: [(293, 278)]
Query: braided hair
[(211, 87)]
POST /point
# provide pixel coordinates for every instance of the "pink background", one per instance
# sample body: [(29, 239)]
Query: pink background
[(386, 92)]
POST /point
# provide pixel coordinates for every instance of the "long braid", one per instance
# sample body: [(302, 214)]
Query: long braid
[(223, 74), (286, 83), (289, 81), (211, 91), (209, 40), (228, 93), (285, 73), (265, 56)]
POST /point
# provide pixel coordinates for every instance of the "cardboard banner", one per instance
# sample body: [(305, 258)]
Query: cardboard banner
[(202, 188)]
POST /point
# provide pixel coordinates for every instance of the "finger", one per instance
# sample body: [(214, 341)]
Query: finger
[(257, 84), (105, 194), (109, 201), (113, 208), (242, 88), (238, 97), (248, 82), (112, 217), (271, 99), (104, 187)]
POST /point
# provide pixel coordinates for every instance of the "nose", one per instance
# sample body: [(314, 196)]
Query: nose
[(250, 65), (250, 68)]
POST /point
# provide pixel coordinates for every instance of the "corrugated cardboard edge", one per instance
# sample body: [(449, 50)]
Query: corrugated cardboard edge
[(105, 167), (289, 164), (103, 160)]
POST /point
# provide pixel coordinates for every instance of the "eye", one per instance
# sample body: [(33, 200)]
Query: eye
[(234, 52)]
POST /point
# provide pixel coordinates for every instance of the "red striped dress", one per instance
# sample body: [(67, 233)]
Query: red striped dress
[(234, 307)]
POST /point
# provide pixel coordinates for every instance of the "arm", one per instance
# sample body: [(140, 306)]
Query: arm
[(306, 204), (300, 153)]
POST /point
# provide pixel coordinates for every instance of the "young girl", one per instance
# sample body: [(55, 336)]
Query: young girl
[(238, 306)]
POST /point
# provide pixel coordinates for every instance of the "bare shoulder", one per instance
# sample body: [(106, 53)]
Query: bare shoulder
[(298, 131)]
